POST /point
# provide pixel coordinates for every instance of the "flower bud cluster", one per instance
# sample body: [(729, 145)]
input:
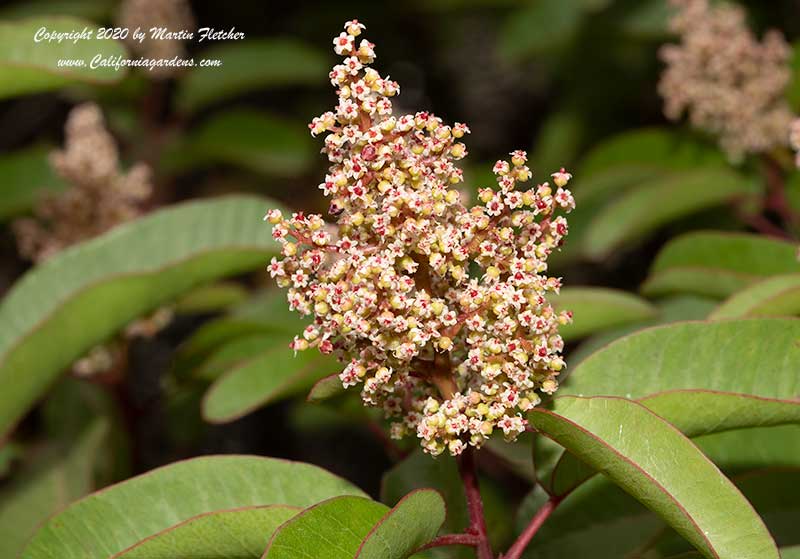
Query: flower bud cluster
[(439, 312), (730, 84), (99, 197)]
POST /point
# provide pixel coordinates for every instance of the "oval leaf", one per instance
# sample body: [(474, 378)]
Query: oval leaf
[(597, 309), (716, 366), (228, 534), (27, 66), (656, 464), (333, 529), (62, 308), (326, 387), (55, 477), (281, 63), (653, 204), (27, 176), (718, 264), (412, 523), (153, 502), (273, 374), (775, 296), (246, 138)]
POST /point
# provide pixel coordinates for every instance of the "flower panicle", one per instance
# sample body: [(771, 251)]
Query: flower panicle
[(728, 82), (438, 311)]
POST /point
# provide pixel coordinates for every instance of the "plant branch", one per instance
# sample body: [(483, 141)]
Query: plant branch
[(516, 550), (776, 183), (477, 521)]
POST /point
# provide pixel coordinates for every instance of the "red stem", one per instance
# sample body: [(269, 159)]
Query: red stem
[(516, 550), (765, 226), (477, 522), (776, 183)]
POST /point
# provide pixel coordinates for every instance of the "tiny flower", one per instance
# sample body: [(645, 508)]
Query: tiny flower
[(437, 310), (561, 178), (343, 44)]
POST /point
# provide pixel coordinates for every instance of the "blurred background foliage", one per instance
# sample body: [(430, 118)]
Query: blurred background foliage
[(571, 81)]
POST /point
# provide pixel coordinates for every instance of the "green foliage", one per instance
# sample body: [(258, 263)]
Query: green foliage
[(246, 138), (57, 476), (774, 296), (26, 177), (229, 534), (693, 426), (30, 67), (62, 308), (274, 372), (697, 373), (718, 264), (598, 309), (655, 203), (290, 63), (412, 523), (695, 499), (147, 505)]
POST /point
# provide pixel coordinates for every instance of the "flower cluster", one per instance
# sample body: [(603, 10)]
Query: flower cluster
[(438, 311), (100, 195), (728, 82), (172, 15)]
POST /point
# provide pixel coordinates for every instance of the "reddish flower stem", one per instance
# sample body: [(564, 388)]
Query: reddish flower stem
[(516, 550), (776, 183), (477, 522)]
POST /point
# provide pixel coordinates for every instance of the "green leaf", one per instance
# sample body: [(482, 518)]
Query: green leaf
[(265, 313), (718, 264), (272, 374), (648, 19), (62, 308), (661, 468), (698, 374), (745, 450), (539, 27), (650, 149), (601, 521), (774, 495), (326, 387), (55, 477), (793, 89), (211, 298), (673, 309), (153, 502), (333, 529), (412, 523), (27, 175), (241, 533), (239, 350), (281, 62), (775, 296), (27, 66), (597, 309), (656, 203), (518, 457), (247, 138), (558, 141)]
